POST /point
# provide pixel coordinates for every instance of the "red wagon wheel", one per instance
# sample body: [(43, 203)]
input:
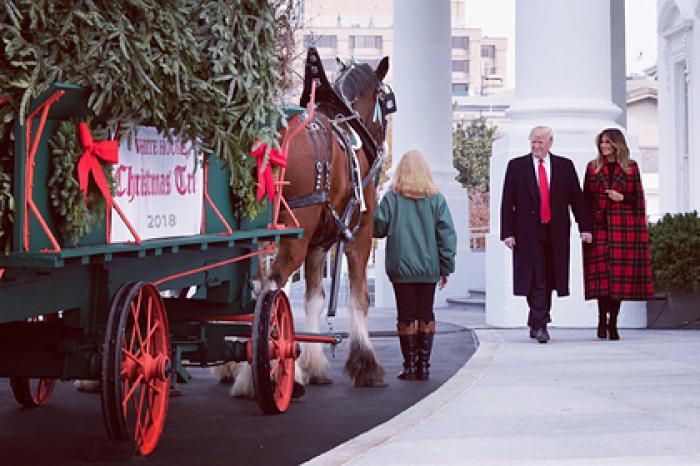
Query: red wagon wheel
[(32, 393), (32, 397), (135, 360), (274, 352)]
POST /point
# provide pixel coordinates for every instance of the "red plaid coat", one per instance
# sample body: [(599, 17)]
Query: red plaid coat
[(616, 263)]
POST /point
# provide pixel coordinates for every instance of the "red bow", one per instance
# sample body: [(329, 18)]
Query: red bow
[(266, 184), (105, 150)]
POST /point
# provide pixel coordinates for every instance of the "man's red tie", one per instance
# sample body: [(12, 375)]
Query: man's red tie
[(545, 213)]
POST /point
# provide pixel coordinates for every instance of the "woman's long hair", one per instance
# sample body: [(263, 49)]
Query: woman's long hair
[(617, 141), (413, 177)]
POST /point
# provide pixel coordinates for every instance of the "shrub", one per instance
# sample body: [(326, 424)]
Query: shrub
[(674, 243)]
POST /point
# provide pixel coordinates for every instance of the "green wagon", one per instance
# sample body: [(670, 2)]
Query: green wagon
[(120, 313)]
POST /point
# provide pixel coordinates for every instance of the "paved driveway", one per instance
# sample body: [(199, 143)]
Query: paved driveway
[(205, 426)]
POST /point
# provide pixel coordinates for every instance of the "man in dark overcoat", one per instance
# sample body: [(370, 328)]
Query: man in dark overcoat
[(538, 191)]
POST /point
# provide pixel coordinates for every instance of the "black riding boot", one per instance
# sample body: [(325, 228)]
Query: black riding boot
[(602, 324), (612, 324), (425, 346), (408, 349)]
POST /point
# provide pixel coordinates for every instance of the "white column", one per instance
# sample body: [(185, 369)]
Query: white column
[(679, 101), (422, 83), (563, 79)]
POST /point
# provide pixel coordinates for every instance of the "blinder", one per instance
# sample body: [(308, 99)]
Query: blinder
[(387, 99)]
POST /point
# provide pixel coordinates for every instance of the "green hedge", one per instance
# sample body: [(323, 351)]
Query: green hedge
[(674, 243)]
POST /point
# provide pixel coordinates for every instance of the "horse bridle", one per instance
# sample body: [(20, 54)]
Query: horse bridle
[(385, 104)]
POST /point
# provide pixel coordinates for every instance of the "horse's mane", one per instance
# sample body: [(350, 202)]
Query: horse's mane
[(358, 80)]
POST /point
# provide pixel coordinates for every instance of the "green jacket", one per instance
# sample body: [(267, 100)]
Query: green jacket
[(421, 239)]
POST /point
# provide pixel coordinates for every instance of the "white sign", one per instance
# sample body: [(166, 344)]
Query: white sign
[(158, 186)]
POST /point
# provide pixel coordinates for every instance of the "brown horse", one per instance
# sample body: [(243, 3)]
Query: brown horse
[(359, 87), (331, 168)]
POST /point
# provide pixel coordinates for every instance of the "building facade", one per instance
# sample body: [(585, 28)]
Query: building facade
[(363, 30)]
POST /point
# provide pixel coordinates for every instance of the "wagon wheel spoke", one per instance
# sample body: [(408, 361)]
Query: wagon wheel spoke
[(152, 331), (131, 356), (138, 415), (136, 329), (131, 392), (154, 387), (149, 309)]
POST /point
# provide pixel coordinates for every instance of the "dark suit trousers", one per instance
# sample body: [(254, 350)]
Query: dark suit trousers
[(540, 296)]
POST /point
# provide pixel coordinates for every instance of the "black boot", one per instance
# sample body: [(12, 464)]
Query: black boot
[(408, 349), (425, 346), (602, 324), (612, 324)]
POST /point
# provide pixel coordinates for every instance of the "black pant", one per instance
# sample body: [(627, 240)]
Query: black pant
[(414, 301), (539, 299)]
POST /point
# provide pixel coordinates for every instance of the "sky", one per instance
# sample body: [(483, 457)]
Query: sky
[(497, 18)]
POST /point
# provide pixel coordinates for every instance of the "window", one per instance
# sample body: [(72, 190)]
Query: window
[(460, 43), (365, 42), (488, 51), (460, 66), (320, 41), (330, 66), (460, 89)]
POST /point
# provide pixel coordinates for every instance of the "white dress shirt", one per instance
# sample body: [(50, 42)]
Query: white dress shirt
[(547, 169)]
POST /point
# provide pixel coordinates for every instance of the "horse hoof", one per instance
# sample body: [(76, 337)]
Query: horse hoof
[(320, 380), (298, 391), (226, 379), (371, 384), (88, 386)]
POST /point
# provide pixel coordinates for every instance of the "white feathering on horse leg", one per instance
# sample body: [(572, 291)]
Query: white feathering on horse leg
[(298, 373), (313, 364), (227, 372), (362, 364), (358, 323), (257, 288), (243, 385)]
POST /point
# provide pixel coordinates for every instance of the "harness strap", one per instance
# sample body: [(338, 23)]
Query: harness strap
[(374, 169), (318, 196)]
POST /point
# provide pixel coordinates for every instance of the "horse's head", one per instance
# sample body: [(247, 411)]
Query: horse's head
[(363, 89)]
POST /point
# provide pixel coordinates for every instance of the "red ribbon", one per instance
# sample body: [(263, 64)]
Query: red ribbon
[(266, 184), (89, 162)]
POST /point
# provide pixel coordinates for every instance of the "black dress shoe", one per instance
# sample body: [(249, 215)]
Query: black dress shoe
[(541, 335), (532, 332)]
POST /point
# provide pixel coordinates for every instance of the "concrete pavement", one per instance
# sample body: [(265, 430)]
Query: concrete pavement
[(574, 401)]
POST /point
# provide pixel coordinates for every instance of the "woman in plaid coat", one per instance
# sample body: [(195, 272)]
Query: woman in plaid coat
[(616, 264)]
